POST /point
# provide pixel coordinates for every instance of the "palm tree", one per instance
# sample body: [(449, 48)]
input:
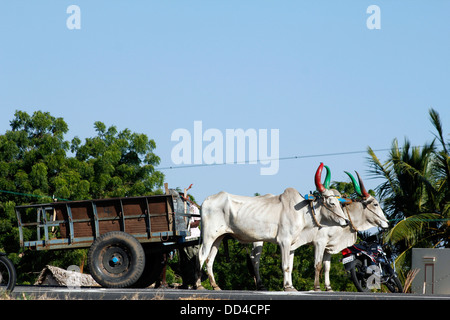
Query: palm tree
[(441, 167), (415, 194)]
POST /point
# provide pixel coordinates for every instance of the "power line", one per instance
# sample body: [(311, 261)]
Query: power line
[(421, 220), (273, 159), (31, 195)]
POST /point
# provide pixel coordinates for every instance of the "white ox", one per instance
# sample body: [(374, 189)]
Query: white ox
[(363, 214), (286, 219)]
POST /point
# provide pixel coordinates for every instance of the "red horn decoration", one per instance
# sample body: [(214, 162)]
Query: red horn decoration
[(319, 185), (363, 189)]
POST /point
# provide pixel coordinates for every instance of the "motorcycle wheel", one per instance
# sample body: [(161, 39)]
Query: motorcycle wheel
[(358, 276), (393, 284)]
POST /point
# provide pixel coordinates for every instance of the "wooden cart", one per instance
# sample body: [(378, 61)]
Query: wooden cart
[(125, 236)]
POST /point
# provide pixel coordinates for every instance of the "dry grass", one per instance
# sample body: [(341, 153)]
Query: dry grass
[(409, 279), (195, 297), (23, 296), (158, 296)]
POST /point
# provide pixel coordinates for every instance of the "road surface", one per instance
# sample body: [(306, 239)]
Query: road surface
[(64, 293), (128, 304)]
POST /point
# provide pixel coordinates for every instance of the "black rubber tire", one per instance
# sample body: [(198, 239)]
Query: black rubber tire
[(394, 285), (358, 277), (8, 275), (116, 260)]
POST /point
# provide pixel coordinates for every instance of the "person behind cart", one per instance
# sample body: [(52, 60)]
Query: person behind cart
[(188, 255)]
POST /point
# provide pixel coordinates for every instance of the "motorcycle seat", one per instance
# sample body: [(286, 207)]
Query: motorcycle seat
[(371, 248)]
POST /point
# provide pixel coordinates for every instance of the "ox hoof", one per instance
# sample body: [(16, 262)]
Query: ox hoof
[(328, 289), (317, 289), (261, 288), (290, 289), (200, 287), (217, 288)]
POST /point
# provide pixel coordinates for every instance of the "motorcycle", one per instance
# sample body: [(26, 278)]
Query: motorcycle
[(8, 274), (369, 265)]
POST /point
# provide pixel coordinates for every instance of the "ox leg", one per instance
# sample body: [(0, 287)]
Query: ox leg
[(255, 257), (198, 282), (291, 268), (326, 269), (287, 261), (203, 254), (210, 262), (318, 258)]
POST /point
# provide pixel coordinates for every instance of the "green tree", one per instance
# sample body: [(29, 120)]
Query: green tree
[(38, 165), (117, 164), (415, 194)]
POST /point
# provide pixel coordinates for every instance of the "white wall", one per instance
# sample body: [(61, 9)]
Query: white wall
[(434, 274)]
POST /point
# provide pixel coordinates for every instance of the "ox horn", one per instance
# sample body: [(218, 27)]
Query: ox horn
[(355, 184), (363, 189), (319, 185), (326, 183)]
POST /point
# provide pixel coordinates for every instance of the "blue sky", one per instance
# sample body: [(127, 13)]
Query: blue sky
[(311, 69)]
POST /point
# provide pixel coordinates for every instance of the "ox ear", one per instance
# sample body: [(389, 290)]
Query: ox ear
[(355, 184)]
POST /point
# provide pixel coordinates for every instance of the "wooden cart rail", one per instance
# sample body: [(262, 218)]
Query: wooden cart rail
[(76, 224)]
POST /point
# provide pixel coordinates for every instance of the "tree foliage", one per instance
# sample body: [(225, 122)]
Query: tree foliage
[(415, 193), (38, 165)]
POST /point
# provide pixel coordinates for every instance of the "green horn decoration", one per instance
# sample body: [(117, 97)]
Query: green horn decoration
[(326, 183), (355, 184)]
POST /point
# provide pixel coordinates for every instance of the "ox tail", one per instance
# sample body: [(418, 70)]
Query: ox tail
[(226, 248)]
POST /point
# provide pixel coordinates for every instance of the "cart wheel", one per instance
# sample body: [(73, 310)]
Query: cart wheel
[(116, 260)]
